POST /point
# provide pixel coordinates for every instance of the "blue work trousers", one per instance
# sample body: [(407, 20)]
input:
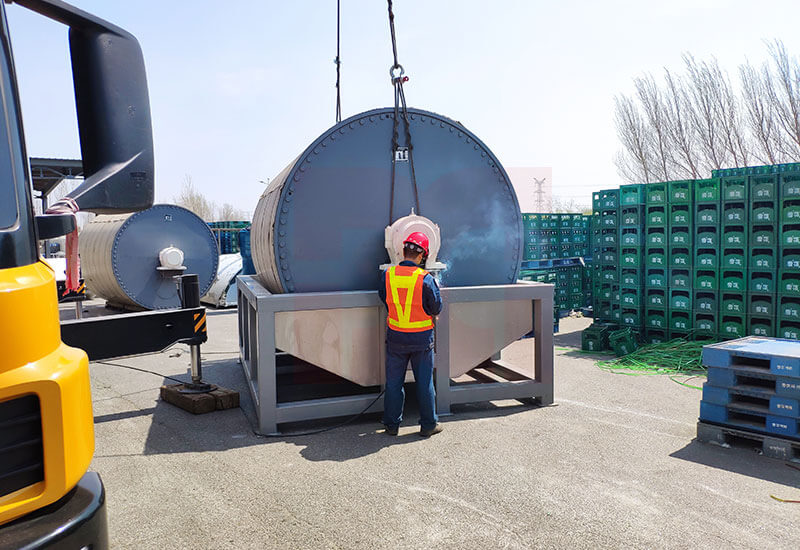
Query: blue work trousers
[(422, 365)]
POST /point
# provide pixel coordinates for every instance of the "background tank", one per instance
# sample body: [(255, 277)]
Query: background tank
[(319, 225), (121, 255)]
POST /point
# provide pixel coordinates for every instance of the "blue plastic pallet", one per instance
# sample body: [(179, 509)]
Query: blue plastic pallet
[(556, 262), (774, 404), (755, 380), (749, 418), (776, 355)]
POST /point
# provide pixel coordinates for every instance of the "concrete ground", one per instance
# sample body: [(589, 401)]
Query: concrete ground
[(612, 464)]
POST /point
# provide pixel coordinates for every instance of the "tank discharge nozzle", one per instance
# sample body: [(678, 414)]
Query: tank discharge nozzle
[(397, 233), (171, 259)]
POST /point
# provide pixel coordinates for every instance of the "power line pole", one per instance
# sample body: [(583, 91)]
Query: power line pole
[(539, 192)]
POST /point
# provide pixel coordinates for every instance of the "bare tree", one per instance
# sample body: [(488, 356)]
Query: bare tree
[(655, 114), (784, 91), (699, 121), (191, 199), (681, 134), (761, 115), (705, 116), (634, 164), (228, 212), (567, 205)]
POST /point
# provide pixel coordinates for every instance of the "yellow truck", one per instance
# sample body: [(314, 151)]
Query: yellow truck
[(48, 498)]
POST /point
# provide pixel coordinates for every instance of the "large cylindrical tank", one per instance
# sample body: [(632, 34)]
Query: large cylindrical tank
[(319, 225), (132, 259)]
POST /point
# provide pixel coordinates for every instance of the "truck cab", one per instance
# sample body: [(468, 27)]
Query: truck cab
[(48, 498)]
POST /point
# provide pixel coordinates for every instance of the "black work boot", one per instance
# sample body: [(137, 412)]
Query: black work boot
[(435, 430), (390, 430)]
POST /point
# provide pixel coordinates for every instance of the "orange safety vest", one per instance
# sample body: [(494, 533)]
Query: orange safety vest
[(404, 299)]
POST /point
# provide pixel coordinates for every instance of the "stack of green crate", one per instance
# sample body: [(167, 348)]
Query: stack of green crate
[(631, 259), (707, 257), (605, 255), (762, 254), (553, 236), (680, 257), (656, 263), (788, 294), (732, 275)]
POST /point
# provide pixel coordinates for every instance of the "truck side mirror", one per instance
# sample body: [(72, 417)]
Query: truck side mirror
[(113, 111)]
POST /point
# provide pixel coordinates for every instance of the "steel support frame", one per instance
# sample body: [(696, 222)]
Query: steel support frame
[(256, 316), (538, 388)]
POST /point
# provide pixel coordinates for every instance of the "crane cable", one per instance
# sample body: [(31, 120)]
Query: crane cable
[(397, 74), (338, 62)]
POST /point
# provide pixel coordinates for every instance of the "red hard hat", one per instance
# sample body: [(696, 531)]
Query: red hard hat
[(419, 239)]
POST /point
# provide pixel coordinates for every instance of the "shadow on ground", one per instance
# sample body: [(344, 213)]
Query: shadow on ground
[(173, 430), (740, 460)]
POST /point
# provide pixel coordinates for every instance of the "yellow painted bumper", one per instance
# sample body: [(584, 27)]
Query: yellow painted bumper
[(34, 361)]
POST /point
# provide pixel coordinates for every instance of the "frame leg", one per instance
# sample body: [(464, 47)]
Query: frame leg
[(442, 363), (267, 373), (543, 346)]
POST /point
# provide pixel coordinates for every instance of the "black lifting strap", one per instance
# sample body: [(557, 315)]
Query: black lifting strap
[(400, 109), (338, 62)]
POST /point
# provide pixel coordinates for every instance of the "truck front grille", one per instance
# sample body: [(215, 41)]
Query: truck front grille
[(21, 453)]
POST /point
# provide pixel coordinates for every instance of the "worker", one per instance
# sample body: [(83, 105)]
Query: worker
[(412, 299)]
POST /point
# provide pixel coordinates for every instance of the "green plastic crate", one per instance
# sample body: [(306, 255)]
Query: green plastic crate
[(656, 237), (734, 189), (630, 296), (680, 300), (680, 192), (734, 281), (680, 320), (656, 257), (680, 278), (734, 237), (707, 214), (656, 216), (655, 194), (706, 258), (734, 214), (761, 326), (631, 216), (788, 283), (789, 330), (655, 298), (707, 237), (763, 305), (790, 186), (655, 318), (680, 257), (734, 258), (706, 279), (764, 188), (763, 237), (763, 259), (733, 303), (762, 282), (705, 301), (631, 277), (790, 259), (595, 337), (631, 194), (623, 341), (705, 324), (656, 278), (733, 326), (631, 236), (706, 190)]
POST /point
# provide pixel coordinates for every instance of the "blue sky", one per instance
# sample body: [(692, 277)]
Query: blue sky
[(238, 89)]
